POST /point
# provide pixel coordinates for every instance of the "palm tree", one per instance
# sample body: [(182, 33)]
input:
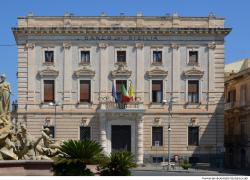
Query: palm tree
[(118, 164), (75, 155)]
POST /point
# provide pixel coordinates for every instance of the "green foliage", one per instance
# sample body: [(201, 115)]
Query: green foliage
[(75, 155), (186, 165), (118, 164)]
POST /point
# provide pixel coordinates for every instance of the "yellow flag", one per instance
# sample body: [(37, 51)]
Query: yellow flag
[(131, 91)]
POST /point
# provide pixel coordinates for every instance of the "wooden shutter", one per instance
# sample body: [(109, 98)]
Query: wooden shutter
[(193, 86), (49, 90), (85, 91)]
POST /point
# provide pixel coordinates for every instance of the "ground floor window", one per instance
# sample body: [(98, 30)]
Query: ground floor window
[(157, 159), (84, 133), (193, 136), (51, 130), (157, 136)]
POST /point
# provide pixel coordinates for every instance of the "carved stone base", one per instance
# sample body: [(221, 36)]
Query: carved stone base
[(26, 168)]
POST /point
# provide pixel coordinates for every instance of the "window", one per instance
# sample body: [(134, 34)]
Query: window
[(85, 90), (51, 130), (193, 136), (49, 90), (231, 96), (85, 57), (193, 91), (49, 56), (84, 133), (121, 56), (119, 84), (193, 58), (157, 136), (157, 91), (243, 95), (157, 56)]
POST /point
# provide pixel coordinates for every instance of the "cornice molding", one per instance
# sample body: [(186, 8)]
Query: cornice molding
[(194, 72), (84, 72), (49, 72), (156, 72), (118, 31), (121, 71)]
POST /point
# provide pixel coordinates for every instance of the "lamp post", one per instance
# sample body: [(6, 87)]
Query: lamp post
[(170, 105), (55, 104)]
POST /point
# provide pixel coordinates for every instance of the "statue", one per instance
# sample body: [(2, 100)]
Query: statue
[(5, 92), (20, 145)]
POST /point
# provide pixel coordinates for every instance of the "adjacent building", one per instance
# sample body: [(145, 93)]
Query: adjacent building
[(67, 66), (237, 114)]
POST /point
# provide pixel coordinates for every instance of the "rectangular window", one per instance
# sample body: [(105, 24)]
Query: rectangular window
[(84, 133), (157, 136), (193, 58), (157, 91), (243, 95), (193, 136), (51, 130), (157, 56), (231, 96), (85, 91), (85, 57), (121, 56), (193, 91), (157, 159), (119, 84), (49, 90), (49, 56)]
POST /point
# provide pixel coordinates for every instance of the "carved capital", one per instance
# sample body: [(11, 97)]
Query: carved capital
[(175, 46), (29, 46), (103, 45), (139, 45), (212, 45), (66, 45)]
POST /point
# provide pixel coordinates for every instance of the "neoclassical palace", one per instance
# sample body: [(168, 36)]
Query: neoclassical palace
[(68, 65)]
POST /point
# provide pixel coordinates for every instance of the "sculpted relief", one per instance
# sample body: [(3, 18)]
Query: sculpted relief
[(20, 144)]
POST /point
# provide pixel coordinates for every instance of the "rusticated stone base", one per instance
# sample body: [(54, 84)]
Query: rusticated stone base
[(26, 168)]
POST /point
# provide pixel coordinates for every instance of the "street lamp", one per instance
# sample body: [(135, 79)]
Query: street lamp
[(170, 105), (55, 104)]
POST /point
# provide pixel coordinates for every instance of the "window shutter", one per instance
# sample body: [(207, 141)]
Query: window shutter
[(156, 85), (193, 86), (49, 91), (85, 91)]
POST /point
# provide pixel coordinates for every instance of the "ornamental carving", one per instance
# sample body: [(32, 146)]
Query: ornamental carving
[(121, 71), (84, 72), (193, 73), (66, 45), (156, 72), (49, 72), (212, 45)]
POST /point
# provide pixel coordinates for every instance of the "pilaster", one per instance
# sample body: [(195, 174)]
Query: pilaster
[(103, 69), (103, 133), (139, 71), (67, 73), (211, 73), (139, 147), (30, 48), (175, 71)]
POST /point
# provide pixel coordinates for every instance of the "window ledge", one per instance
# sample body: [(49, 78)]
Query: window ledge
[(156, 64), (192, 105), (49, 64), (193, 64), (154, 105), (158, 148), (46, 105), (84, 63), (84, 105)]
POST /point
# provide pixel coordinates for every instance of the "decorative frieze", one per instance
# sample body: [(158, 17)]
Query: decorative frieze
[(156, 72), (84, 72), (49, 72), (194, 72), (121, 71)]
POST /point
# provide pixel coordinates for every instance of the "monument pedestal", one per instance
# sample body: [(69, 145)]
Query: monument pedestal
[(26, 168)]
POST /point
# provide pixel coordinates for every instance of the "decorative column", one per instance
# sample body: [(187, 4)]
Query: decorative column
[(103, 69), (67, 77), (139, 136), (31, 71), (175, 71), (103, 133), (139, 71)]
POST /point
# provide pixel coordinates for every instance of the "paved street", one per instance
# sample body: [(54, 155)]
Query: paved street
[(158, 171)]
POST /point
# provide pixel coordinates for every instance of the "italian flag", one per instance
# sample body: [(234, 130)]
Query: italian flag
[(125, 96)]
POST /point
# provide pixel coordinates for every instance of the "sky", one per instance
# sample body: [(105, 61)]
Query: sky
[(236, 14)]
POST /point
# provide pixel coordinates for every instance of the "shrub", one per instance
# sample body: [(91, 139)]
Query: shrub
[(186, 165), (118, 164)]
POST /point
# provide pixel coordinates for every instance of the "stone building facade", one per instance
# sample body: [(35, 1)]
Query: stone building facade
[(67, 67), (237, 114)]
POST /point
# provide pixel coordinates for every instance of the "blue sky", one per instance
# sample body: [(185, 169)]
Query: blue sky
[(236, 13)]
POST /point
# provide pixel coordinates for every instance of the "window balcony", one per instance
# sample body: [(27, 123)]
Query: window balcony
[(229, 105)]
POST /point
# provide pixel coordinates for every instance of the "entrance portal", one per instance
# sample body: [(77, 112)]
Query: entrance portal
[(121, 138)]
